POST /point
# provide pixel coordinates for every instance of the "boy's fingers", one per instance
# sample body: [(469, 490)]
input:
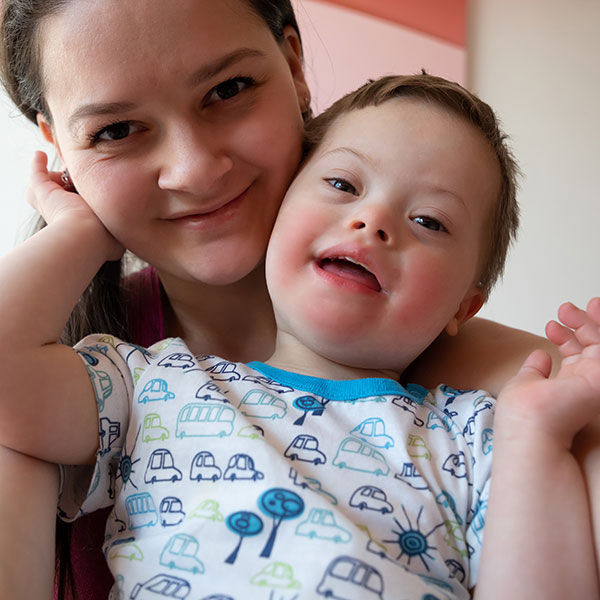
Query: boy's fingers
[(593, 309), (536, 366), (586, 328), (564, 338)]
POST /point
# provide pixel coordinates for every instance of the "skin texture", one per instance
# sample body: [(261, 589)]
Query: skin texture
[(405, 189), (535, 476)]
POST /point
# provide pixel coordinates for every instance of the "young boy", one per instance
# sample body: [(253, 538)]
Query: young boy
[(317, 474)]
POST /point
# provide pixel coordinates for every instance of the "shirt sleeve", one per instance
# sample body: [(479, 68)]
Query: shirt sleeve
[(111, 365), (473, 413)]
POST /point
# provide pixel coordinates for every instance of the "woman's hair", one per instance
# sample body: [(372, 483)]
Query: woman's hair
[(101, 308), (504, 219)]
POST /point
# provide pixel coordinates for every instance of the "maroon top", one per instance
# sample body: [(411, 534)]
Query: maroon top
[(92, 577)]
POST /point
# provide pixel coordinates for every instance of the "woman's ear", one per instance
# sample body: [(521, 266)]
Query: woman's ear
[(292, 50), (468, 308), (45, 128)]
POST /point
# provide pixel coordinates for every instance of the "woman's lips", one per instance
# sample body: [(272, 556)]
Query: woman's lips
[(212, 217)]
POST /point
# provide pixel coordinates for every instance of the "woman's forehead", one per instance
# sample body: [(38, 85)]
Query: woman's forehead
[(92, 46)]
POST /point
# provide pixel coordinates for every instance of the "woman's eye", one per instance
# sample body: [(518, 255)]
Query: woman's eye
[(342, 185), (113, 132), (228, 89), (430, 223)]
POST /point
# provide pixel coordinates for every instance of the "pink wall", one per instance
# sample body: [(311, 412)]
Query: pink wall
[(344, 47)]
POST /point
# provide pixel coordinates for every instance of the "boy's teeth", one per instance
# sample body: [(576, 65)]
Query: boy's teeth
[(350, 269)]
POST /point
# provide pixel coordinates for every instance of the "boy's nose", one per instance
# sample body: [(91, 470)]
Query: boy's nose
[(377, 231)]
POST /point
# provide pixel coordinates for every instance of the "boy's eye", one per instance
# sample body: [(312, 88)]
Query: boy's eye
[(430, 223), (113, 132), (228, 89), (342, 185)]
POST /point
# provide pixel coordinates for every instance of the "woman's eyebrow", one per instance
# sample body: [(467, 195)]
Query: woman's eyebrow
[(202, 74), (97, 109), (223, 62)]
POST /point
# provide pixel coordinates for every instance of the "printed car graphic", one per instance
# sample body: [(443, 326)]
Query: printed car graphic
[(455, 464), (109, 432), (152, 428), (270, 384), (276, 575), (203, 467), (416, 447), (359, 456), (141, 510), (372, 431), (351, 579), (155, 390), (161, 586), (223, 371), (171, 511), (205, 419), (180, 552), (259, 404), (207, 509), (369, 497), (178, 360), (321, 524), (161, 467), (305, 448), (241, 466)]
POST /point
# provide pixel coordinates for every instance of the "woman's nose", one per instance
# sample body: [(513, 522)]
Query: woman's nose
[(193, 161)]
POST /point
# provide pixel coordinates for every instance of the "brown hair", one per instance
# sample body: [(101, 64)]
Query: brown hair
[(504, 220), (101, 308)]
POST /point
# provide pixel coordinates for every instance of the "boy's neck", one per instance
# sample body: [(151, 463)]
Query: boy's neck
[(292, 355)]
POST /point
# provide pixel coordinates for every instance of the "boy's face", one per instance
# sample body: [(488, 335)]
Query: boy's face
[(380, 239)]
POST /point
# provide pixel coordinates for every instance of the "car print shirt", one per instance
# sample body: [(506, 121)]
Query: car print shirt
[(242, 481)]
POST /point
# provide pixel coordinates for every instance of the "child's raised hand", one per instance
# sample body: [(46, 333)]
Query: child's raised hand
[(562, 405), (47, 194)]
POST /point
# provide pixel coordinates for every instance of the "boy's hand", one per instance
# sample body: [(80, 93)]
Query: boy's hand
[(46, 193), (531, 404)]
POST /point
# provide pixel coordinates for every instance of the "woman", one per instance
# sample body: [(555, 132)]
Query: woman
[(181, 130)]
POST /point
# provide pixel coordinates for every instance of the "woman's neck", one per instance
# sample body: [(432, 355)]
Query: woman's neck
[(233, 321)]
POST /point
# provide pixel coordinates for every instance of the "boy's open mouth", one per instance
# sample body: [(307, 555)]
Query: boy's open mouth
[(347, 268)]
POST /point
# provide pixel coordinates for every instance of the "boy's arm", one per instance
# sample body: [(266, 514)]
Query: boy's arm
[(483, 355), (586, 449), (538, 541), (48, 407), (27, 532)]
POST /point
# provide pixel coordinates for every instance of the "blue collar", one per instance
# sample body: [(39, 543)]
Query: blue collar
[(341, 390)]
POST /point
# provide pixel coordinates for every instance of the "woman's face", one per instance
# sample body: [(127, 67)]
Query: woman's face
[(180, 125)]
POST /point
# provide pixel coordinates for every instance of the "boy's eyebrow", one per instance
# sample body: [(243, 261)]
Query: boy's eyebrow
[(353, 152), (202, 74)]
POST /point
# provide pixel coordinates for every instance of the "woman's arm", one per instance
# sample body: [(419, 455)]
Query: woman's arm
[(483, 355), (28, 509)]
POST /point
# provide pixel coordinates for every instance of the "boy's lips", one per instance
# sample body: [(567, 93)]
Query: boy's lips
[(353, 266)]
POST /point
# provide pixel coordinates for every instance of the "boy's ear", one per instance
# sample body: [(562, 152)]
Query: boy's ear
[(47, 132), (292, 50), (468, 308)]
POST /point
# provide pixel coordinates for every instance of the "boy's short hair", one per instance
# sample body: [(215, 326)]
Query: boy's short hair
[(504, 218)]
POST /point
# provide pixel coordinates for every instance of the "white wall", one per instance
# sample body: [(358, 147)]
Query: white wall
[(18, 139), (537, 62)]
